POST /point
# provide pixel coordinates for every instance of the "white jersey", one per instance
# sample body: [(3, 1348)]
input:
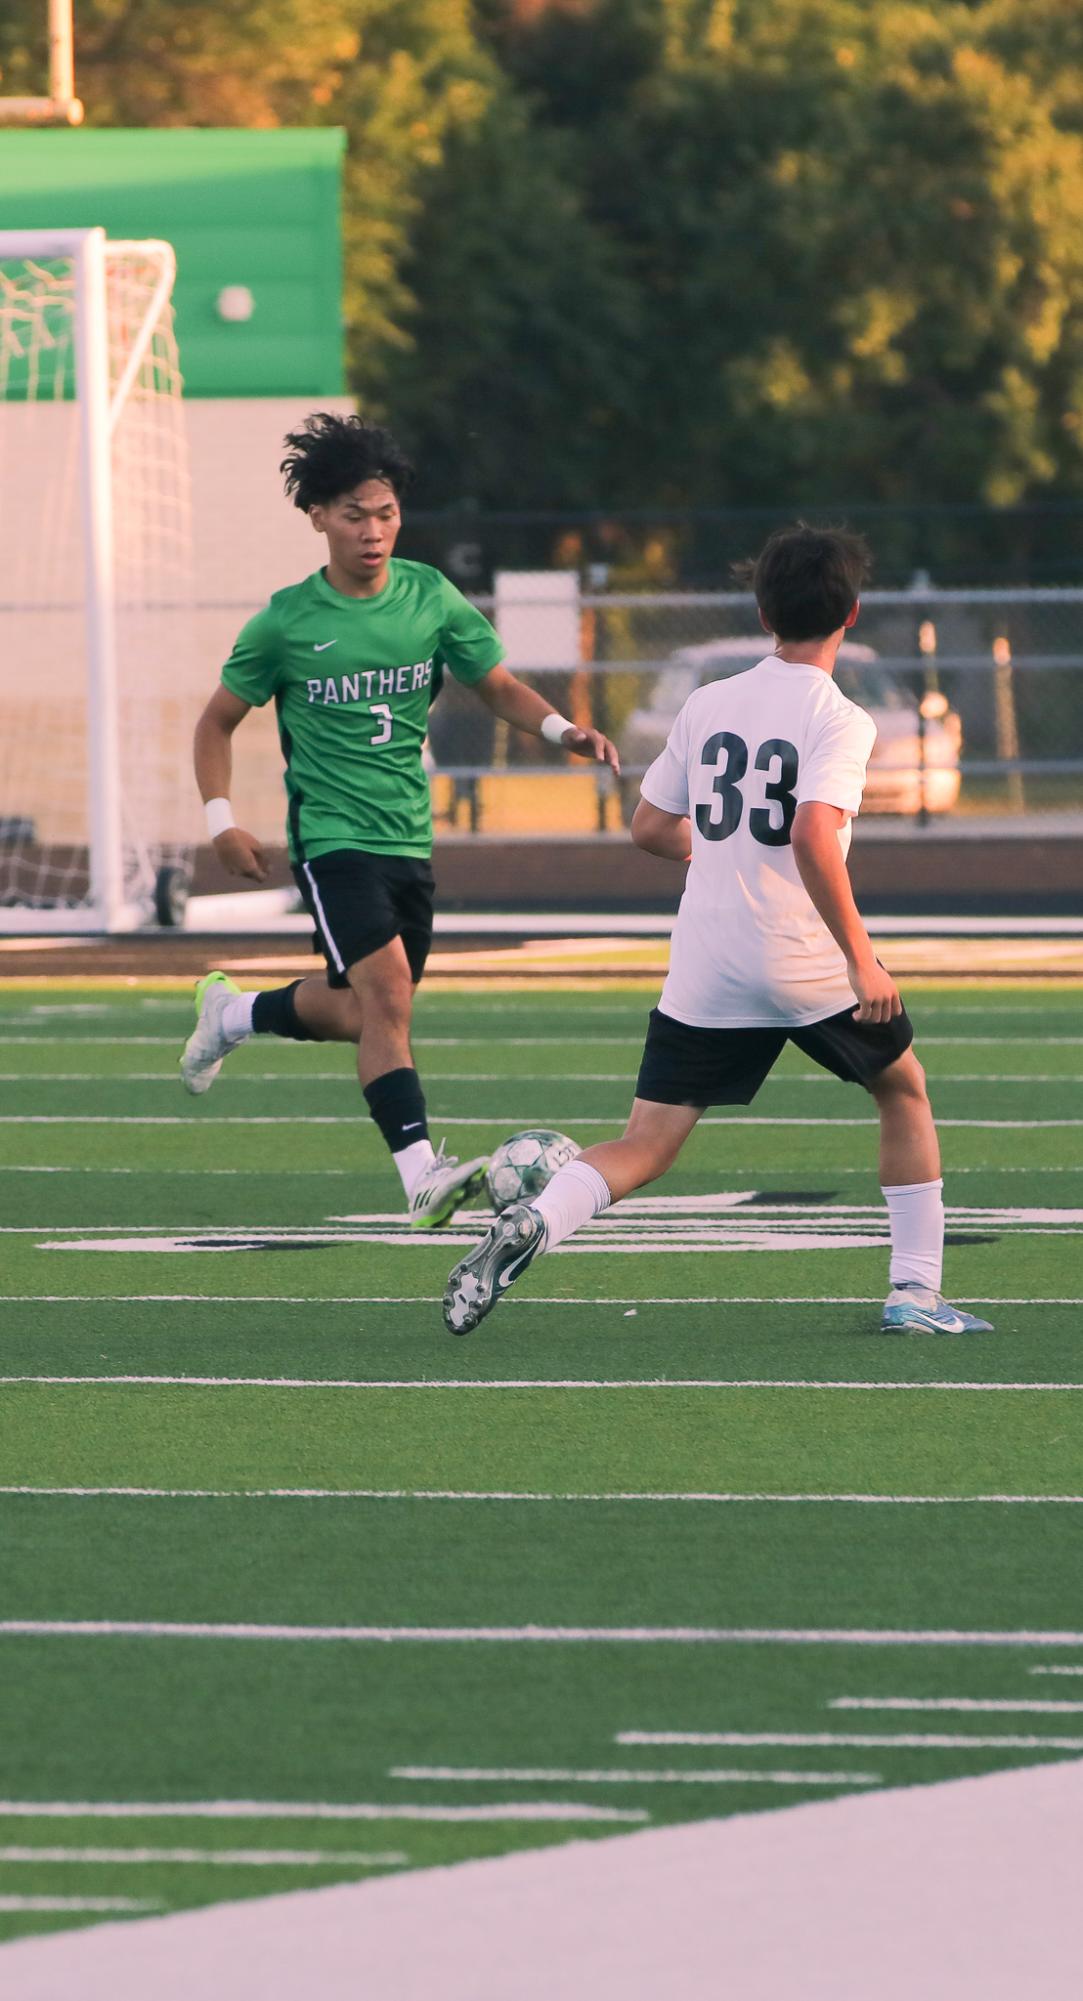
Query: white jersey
[(750, 949)]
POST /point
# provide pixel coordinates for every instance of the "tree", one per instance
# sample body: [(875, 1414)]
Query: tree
[(520, 368), (855, 231), (690, 251)]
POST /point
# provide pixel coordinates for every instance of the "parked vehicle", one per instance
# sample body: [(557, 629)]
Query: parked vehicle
[(915, 760)]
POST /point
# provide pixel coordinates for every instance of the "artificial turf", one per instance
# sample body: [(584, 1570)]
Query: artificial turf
[(322, 1301)]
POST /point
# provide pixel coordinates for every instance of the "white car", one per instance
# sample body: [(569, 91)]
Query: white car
[(915, 759)]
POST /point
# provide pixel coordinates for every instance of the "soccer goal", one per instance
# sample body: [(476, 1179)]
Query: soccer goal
[(97, 815)]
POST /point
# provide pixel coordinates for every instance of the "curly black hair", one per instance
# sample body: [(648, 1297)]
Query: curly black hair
[(330, 455)]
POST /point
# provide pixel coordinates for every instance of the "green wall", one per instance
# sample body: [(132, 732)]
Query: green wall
[(260, 209)]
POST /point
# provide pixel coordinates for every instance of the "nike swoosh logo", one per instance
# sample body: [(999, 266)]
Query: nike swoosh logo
[(511, 1271), (325, 645), (414, 1127)]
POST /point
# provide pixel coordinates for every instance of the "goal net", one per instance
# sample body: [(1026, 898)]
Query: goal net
[(97, 809)]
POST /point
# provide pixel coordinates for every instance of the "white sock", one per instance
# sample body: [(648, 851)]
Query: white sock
[(412, 1161), (916, 1212), (237, 1016), (575, 1194)]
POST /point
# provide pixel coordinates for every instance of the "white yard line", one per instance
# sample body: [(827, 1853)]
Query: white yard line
[(450, 1119), (827, 1739), (296, 1173), (221, 1858), (93, 1041), (574, 1034), (967, 1705), (434, 1298), (740, 1209), (543, 1775), (526, 1383), (504, 1494), (79, 1904), (303, 1810), (625, 1077), (83, 1629), (1055, 1670), (720, 1242)]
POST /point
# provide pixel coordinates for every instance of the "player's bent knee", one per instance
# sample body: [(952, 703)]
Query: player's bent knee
[(904, 1078)]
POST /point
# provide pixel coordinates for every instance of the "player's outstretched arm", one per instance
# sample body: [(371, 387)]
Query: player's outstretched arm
[(238, 851), (815, 842), (521, 706), (658, 833)]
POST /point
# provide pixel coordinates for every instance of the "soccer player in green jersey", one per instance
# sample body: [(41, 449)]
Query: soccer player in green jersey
[(353, 657)]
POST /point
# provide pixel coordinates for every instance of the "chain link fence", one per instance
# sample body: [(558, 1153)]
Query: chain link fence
[(977, 696)]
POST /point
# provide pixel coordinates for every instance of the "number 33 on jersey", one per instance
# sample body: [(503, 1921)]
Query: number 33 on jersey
[(749, 948)]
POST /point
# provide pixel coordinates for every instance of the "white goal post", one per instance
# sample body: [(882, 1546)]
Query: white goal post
[(96, 810)]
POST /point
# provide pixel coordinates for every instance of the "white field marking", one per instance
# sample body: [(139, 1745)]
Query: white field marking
[(998, 1041), (15, 1167), (826, 1739), (743, 1209), (303, 1810), (525, 1383), (43, 1041), (453, 1239), (451, 1119), (511, 1775), (964, 1704), (82, 1629), (93, 1041), (297, 1173), (502, 1495), (434, 1298), (1055, 1670), (221, 1858), (721, 1244), (79, 1904), (490, 1077)]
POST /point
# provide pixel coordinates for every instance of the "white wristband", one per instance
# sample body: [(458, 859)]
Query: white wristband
[(553, 727), (219, 817)]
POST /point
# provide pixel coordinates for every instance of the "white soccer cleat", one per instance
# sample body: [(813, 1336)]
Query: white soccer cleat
[(208, 1043), (917, 1309), (443, 1187)]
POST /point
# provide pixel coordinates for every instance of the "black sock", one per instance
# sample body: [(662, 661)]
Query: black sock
[(275, 1013), (397, 1104)]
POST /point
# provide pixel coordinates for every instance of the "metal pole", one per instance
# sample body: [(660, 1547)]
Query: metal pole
[(61, 52), (927, 650), (103, 722), (61, 107)]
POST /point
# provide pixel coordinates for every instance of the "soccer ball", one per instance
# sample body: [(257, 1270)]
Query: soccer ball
[(520, 1168)]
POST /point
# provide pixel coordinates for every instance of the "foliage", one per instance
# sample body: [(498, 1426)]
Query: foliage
[(673, 251)]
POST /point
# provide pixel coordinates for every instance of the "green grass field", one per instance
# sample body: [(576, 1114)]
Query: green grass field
[(296, 1588)]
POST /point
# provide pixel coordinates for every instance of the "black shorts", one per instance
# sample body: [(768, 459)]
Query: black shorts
[(726, 1066), (360, 902)]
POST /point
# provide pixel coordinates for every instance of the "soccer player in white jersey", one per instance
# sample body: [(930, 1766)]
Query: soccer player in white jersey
[(756, 788)]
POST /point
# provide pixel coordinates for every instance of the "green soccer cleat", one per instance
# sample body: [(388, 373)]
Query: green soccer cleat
[(445, 1185), (206, 1046), (480, 1280), (917, 1309)]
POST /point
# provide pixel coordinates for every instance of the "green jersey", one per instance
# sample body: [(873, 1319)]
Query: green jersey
[(352, 681)]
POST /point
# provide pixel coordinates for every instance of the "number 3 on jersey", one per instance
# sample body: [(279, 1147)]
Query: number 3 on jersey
[(778, 791), (387, 723)]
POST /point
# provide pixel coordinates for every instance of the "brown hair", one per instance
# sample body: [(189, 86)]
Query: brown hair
[(807, 580)]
